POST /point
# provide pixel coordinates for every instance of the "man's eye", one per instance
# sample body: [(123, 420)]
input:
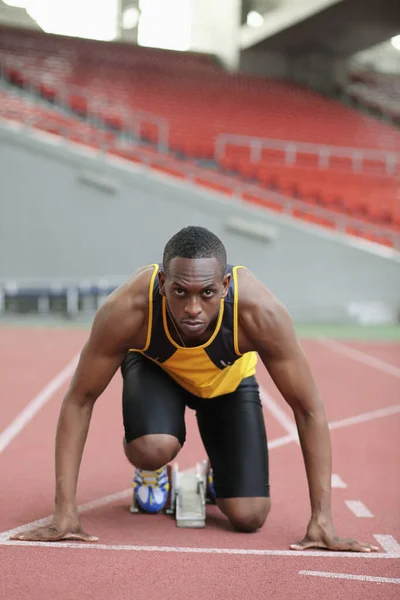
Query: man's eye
[(208, 293), (179, 292)]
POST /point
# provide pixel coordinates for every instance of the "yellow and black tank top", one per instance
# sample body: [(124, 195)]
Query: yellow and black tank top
[(211, 369)]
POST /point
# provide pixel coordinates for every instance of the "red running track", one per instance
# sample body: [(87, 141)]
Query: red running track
[(146, 556)]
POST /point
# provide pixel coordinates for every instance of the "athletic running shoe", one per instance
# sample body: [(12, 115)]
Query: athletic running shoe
[(211, 490), (151, 489)]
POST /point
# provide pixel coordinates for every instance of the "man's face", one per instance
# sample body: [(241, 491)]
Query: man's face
[(193, 288)]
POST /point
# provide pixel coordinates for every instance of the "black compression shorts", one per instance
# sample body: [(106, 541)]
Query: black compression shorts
[(231, 426)]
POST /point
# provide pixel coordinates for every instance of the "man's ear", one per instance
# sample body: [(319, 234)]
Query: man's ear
[(225, 285), (161, 282)]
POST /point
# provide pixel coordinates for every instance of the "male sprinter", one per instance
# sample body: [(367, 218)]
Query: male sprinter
[(188, 334)]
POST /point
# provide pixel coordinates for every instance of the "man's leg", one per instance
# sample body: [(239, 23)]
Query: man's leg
[(233, 431), (153, 412)]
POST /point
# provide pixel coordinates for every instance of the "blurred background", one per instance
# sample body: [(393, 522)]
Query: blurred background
[(275, 123)]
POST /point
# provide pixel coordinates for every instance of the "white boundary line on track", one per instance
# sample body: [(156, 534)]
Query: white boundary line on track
[(359, 509), (361, 357), (288, 424), (346, 422), (351, 577), (280, 415), (4, 535), (281, 441), (337, 482), (33, 407), (197, 550), (388, 543), (391, 551), (364, 417)]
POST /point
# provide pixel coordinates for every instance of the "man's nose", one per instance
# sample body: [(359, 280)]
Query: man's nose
[(193, 308)]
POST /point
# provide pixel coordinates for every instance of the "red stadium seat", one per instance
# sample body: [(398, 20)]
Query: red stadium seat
[(200, 102)]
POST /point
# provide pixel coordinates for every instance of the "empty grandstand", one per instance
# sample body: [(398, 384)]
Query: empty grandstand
[(271, 142)]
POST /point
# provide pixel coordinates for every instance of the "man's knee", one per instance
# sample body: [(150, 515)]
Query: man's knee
[(151, 452), (246, 514)]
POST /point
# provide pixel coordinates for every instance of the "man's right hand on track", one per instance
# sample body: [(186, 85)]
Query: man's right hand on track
[(61, 528)]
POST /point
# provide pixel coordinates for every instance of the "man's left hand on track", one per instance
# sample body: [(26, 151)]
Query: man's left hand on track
[(322, 535)]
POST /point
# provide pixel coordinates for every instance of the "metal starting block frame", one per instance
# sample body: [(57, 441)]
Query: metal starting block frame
[(187, 497)]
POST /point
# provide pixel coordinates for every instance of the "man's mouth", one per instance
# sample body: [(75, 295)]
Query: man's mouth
[(192, 325)]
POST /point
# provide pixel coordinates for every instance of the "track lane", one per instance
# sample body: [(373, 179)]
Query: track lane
[(27, 474)]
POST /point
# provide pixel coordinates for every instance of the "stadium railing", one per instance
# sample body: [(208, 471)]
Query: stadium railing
[(232, 186), (291, 150)]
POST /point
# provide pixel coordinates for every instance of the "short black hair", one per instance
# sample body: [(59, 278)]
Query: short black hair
[(195, 242)]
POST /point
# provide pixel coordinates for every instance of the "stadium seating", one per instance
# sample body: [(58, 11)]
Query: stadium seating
[(372, 195), (200, 102), (198, 98), (52, 121)]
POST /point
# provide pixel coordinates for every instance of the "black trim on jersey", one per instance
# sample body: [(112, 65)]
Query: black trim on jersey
[(160, 348), (222, 350)]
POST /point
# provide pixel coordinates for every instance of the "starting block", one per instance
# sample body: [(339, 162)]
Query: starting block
[(188, 495)]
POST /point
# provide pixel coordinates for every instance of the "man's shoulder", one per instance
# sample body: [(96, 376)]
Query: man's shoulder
[(259, 310), (125, 310), (252, 293), (133, 293)]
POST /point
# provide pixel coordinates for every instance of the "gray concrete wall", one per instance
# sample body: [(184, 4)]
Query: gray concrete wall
[(313, 69), (54, 225), (258, 61)]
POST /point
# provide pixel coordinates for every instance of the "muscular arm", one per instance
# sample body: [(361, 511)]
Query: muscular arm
[(266, 327), (100, 358), (120, 323), (269, 330), (291, 373)]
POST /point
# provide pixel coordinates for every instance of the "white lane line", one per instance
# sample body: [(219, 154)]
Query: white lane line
[(359, 509), (36, 404), (105, 500), (280, 415), (4, 540), (81, 509), (347, 422), (388, 543), (368, 416), (337, 481), (361, 357), (199, 550), (350, 577), (281, 441)]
